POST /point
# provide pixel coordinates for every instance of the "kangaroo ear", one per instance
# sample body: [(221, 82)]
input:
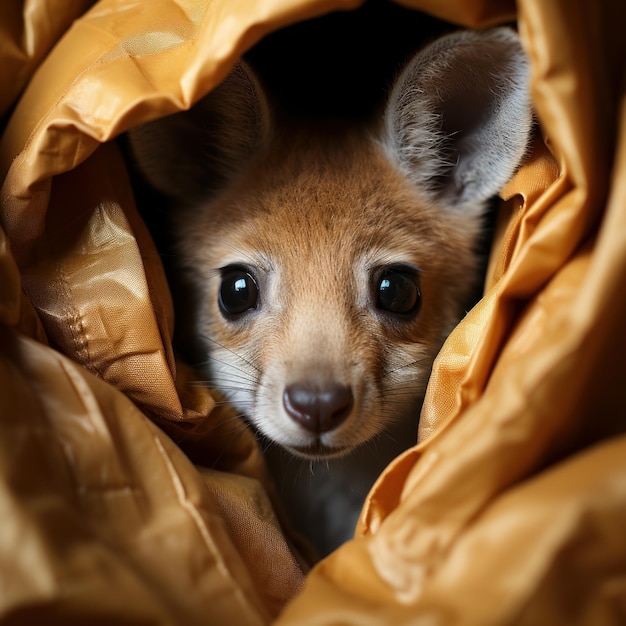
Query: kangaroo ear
[(189, 155), (459, 118)]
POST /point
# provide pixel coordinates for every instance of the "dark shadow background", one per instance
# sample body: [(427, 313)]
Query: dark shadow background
[(341, 64)]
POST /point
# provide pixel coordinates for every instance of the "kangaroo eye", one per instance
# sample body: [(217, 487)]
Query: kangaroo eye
[(397, 291), (239, 292)]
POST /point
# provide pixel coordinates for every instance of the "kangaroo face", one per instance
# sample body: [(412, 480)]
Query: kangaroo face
[(329, 263), (327, 287)]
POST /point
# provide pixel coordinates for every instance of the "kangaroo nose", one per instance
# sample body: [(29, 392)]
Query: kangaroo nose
[(318, 410)]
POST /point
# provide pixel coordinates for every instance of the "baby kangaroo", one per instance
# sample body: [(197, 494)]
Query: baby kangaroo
[(329, 262)]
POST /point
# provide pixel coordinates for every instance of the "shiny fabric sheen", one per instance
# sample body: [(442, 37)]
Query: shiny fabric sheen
[(512, 507)]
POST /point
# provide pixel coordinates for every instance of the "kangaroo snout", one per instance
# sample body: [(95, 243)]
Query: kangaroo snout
[(318, 409)]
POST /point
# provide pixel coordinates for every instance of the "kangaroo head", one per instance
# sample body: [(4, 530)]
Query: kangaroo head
[(330, 263)]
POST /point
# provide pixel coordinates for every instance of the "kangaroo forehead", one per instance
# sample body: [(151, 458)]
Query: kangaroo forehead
[(337, 204)]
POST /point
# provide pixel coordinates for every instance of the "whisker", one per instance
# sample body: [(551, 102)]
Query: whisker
[(233, 379), (234, 387), (244, 374), (402, 398), (411, 363), (235, 354), (222, 403), (407, 390), (228, 371)]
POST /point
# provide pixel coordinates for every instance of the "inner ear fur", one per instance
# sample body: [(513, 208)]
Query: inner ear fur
[(189, 155), (459, 118)]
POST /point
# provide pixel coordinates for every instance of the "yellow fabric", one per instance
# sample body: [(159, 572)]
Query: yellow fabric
[(511, 509)]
